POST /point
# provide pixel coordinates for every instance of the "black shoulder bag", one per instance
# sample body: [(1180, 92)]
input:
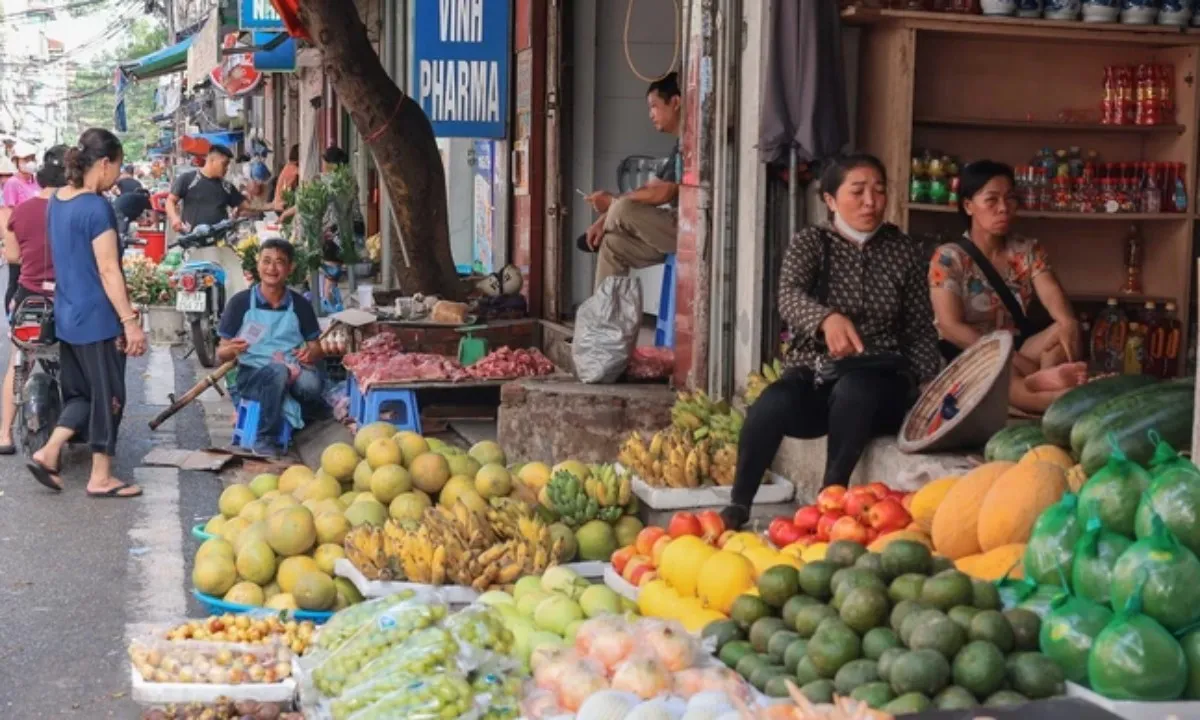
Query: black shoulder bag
[(830, 372), (1027, 327)]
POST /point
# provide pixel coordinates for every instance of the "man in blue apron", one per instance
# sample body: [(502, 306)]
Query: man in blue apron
[(273, 331)]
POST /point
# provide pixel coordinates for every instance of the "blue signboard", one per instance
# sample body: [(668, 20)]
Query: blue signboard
[(460, 66), (258, 15), (282, 58)]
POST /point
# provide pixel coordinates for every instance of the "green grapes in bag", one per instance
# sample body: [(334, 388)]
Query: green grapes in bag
[(423, 652), (1166, 459), (1052, 540), (1135, 657), (1095, 555), (1171, 573), (445, 696), (1069, 631), (1112, 494), (481, 628), (365, 694), (1174, 496), (345, 624)]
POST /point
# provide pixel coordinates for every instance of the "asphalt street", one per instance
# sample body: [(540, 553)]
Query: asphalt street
[(79, 576)]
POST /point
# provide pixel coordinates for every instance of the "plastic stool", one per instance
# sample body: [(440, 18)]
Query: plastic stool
[(356, 399), (664, 329), (245, 431), (375, 399)]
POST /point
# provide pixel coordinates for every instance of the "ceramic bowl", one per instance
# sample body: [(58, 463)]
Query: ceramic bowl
[(998, 7), (1139, 12), (1061, 9), (1029, 8), (1175, 12), (1101, 11)]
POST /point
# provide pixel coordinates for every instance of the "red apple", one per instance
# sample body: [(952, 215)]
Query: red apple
[(684, 523), (888, 515), (725, 537), (806, 518), (635, 562), (620, 558), (657, 551), (857, 500), (872, 533), (782, 532), (879, 489), (847, 528), (906, 502), (831, 498), (825, 524), (645, 578), (712, 525), (646, 539)]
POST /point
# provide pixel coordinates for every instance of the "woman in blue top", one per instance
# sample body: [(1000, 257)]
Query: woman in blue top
[(96, 324)]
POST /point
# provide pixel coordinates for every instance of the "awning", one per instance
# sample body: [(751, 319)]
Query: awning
[(199, 143), (159, 62)]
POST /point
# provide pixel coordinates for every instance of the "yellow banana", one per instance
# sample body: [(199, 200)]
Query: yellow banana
[(438, 566), (691, 471), (625, 491)]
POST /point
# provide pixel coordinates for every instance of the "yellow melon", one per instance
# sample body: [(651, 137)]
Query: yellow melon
[(993, 565), (1076, 477), (926, 501), (1049, 454), (1015, 501), (883, 541), (956, 522)]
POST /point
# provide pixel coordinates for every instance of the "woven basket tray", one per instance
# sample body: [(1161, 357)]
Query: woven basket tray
[(983, 369)]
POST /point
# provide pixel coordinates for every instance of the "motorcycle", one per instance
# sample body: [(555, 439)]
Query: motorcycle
[(200, 288), (36, 372)]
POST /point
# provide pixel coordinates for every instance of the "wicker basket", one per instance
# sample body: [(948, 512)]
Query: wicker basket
[(984, 370)]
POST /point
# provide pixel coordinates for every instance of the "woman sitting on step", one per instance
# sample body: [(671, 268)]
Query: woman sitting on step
[(854, 296)]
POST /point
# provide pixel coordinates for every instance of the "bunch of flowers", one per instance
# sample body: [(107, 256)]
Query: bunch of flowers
[(148, 282)]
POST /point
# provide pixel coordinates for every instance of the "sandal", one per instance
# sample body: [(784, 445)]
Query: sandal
[(115, 492), (45, 475), (8, 449)]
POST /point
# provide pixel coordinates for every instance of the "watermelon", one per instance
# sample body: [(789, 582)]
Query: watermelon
[(1102, 418), (1169, 415), (1013, 441), (1167, 575), (1060, 417)]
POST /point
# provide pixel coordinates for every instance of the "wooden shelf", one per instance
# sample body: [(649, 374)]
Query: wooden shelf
[(1053, 215), (1025, 28), (1042, 125), (1122, 298)]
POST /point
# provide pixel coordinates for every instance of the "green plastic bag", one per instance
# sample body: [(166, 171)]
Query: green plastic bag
[(1171, 578), (1136, 658), (1166, 459), (1069, 630), (1174, 496), (1112, 494), (1042, 599), (1190, 642), (1014, 591), (1052, 541), (1095, 554)]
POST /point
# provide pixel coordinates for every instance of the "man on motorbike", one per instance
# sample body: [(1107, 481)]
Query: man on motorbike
[(206, 195), (272, 331)]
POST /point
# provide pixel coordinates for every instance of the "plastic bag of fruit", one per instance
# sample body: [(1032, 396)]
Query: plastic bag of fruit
[(421, 654), (498, 691), (217, 663), (329, 670), (1052, 540), (257, 627), (445, 695), (607, 639), (222, 709), (480, 630), (669, 643), (370, 691), (346, 623), (539, 704), (714, 678)]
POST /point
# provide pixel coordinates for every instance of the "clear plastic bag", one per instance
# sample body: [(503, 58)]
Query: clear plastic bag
[(1040, 600), (669, 643), (1014, 590), (1068, 632), (1112, 494), (481, 627), (715, 678), (362, 695), (218, 663), (331, 669), (1169, 572), (1052, 540), (1135, 657), (606, 328), (644, 675), (1095, 555), (607, 639), (446, 695), (346, 623), (421, 654), (1173, 496), (498, 692), (539, 704)]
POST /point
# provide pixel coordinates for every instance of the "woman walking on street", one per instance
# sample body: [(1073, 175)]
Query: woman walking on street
[(96, 324)]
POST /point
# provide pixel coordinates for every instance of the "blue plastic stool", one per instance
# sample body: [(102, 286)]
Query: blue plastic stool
[(664, 329), (376, 398), (245, 432), (356, 400)]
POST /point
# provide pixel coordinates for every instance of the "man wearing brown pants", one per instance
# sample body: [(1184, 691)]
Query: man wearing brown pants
[(634, 230)]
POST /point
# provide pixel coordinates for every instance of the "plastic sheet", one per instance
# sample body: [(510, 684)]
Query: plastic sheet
[(1095, 555), (1052, 541), (1170, 574), (606, 327), (1112, 494), (1069, 631), (1135, 657)]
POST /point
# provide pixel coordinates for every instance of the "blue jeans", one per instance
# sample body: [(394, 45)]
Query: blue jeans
[(267, 386)]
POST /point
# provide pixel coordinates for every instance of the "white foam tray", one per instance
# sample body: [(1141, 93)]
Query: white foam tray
[(590, 569), (453, 594), (149, 693), (778, 490), (619, 584), (1135, 710)]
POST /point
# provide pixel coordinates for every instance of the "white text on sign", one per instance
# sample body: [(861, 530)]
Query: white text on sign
[(460, 90), (264, 10)]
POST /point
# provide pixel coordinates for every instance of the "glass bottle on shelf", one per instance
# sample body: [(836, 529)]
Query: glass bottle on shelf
[(1134, 355), (1109, 107), (1108, 196), (1108, 338), (1166, 94), (1151, 190), (1171, 348), (1156, 340), (1179, 188), (1133, 262)]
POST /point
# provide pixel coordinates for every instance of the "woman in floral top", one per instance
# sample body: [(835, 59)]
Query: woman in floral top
[(852, 293), (967, 307)]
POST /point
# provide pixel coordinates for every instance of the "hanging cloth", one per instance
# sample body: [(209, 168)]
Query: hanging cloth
[(804, 94)]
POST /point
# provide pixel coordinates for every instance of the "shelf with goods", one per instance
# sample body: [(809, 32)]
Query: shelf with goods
[(959, 86)]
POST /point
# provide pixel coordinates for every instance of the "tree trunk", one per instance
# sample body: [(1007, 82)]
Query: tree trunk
[(400, 136)]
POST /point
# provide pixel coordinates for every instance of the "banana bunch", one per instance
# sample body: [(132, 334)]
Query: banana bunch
[(613, 493), (570, 500), (455, 545), (724, 465), (756, 382), (698, 414), (674, 458)]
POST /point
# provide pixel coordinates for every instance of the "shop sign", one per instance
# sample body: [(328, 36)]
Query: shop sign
[(280, 59), (204, 54), (259, 15), (460, 65), (236, 74)]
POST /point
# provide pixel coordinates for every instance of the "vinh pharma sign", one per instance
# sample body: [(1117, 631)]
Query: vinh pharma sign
[(460, 66)]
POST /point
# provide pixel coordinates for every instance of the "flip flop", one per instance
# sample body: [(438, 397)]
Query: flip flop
[(8, 450), (115, 492), (45, 475)]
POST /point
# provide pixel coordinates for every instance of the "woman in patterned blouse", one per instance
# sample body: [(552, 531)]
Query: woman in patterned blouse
[(967, 307), (854, 288)]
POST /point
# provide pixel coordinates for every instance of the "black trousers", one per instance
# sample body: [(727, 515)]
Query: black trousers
[(857, 407), (92, 378), (14, 275)]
